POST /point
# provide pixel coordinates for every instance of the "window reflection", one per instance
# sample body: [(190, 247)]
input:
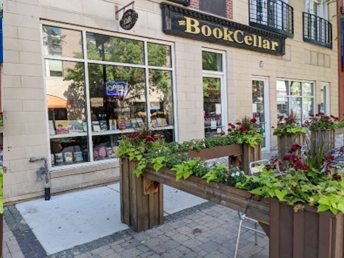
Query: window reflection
[(159, 55), (160, 98), (62, 42), (211, 61), (108, 48)]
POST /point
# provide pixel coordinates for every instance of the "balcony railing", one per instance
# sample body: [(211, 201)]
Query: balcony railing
[(317, 30), (272, 15)]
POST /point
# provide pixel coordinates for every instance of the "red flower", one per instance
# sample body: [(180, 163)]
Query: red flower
[(253, 120), (330, 158), (222, 133), (243, 129)]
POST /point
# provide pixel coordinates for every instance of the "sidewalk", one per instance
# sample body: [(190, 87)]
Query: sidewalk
[(87, 224)]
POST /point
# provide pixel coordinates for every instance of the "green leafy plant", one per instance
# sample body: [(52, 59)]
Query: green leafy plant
[(288, 125), (321, 121), (246, 131), (315, 181)]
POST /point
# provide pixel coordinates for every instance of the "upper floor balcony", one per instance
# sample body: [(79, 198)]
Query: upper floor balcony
[(317, 30), (272, 15)]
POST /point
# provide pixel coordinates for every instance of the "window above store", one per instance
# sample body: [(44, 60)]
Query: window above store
[(272, 15), (218, 7)]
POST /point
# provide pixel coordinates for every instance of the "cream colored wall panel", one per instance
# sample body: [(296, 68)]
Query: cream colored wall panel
[(21, 165), (11, 56), (23, 117), (31, 81), (13, 153), (23, 93), (181, 96), (64, 16), (37, 151), (16, 178), (29, 188), (15, 129), (20, 21), (13, 105), (67, 5), (25, 140), (32, 2), (95, 22), (33, 105), (103, 9), (30, 58), (25, 9), (22, 45), (10, 31), (29, 33), (35, 128), (186, 104)]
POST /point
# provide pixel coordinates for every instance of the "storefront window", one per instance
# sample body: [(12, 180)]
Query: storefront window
[(121, 94), (297, 96), (212, 93)]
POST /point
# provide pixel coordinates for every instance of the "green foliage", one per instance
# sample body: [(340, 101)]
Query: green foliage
[(288, 125), (246, 131), (321, 121), (185, 169)]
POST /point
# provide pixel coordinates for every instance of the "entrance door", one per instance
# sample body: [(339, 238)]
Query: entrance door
[(260, 108)]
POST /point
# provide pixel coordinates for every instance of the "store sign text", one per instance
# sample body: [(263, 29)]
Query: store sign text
[(193, 26), (203, 27)]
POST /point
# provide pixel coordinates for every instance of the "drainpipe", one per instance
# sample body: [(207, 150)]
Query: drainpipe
[(43, 171)]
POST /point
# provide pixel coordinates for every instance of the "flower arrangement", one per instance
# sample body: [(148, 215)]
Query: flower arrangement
[(246, 131), (321, 121), (307, 179), (288, 125)]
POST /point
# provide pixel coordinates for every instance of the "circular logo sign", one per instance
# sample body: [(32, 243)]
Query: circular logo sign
[(129, 19)]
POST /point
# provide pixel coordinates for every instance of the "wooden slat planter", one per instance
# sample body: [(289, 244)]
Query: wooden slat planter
[(305, 234), (218, 193), (286, 141), (141, 199), (250, 154), (323, 138)]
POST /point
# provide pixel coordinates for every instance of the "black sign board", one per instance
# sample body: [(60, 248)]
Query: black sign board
[(129, 19), (203, 27), (183, 2)]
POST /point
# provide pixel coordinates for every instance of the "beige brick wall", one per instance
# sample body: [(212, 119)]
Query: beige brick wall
[(25, 130)]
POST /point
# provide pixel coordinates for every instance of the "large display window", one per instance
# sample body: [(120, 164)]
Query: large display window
[(100, 87), (297, 96)]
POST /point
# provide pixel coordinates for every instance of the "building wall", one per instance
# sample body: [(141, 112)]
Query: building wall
[(25, 124)]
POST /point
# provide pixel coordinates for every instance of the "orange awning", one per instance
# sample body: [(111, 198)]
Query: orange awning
[(56, 102)]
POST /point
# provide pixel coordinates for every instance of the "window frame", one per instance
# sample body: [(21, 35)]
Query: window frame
[(90, 133), (223, 91)]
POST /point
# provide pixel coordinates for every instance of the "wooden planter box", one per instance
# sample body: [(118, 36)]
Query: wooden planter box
[(305, 234), (238, 155), (218, 193), (286, 141), (141, 199), (323, 138)]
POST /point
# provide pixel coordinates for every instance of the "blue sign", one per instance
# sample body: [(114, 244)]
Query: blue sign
[(116, 89)]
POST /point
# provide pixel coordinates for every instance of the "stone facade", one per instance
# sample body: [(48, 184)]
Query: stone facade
[(24, 101)]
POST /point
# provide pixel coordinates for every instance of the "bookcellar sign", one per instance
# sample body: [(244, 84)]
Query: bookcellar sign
[(199, 26)]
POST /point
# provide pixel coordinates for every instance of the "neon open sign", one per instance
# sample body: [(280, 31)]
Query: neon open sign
[(116, 89)]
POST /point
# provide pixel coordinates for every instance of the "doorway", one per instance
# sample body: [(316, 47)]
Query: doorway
[(260, 108)]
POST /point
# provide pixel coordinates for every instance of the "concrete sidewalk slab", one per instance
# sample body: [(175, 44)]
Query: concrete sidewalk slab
[(75, 218)]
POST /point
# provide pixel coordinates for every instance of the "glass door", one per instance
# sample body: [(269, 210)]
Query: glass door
[(260, 108)]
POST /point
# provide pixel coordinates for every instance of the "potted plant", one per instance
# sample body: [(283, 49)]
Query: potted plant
[(322, 129), (247, 132), (306, 202), (288, 132)]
